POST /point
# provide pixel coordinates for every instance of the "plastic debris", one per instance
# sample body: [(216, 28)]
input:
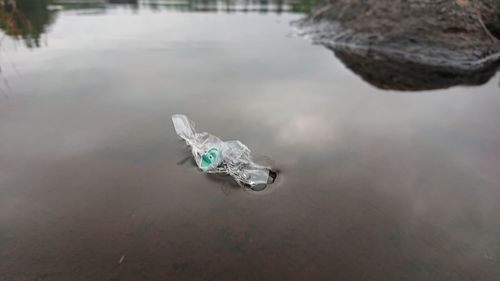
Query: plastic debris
[(214, 156)]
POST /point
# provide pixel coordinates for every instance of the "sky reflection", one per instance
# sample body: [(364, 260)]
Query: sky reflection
[(374, 183)]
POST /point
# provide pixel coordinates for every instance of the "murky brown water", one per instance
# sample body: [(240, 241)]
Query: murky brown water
[(375, 185)]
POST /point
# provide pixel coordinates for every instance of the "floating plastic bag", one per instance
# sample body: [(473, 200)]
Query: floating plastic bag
[(213, 155)]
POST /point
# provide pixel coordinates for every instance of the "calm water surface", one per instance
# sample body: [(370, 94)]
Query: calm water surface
[(374, 185)]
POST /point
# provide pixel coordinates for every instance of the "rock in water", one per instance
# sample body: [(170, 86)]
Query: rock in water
[(411, 44)]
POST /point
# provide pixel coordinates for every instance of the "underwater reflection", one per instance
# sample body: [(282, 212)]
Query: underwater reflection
[(396, 73)]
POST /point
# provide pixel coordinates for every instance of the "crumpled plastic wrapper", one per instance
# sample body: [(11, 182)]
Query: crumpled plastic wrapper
[(214, 156)]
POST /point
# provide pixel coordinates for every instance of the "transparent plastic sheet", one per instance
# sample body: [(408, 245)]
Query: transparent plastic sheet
[(212, 155)]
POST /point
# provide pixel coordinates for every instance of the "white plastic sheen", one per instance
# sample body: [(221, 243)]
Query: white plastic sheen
[(212, 155)]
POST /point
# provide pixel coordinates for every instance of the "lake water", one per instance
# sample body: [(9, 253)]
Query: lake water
[(373, 185)]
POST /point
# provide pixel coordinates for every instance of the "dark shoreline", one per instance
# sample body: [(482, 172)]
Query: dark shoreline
[(446, 37)]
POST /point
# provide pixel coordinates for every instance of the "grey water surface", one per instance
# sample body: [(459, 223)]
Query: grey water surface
[(373, 185)]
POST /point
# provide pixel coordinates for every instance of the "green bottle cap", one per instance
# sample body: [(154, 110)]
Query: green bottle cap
[(210, 157)]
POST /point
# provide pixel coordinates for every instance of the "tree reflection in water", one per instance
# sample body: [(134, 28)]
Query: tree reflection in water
[(28, 20)]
